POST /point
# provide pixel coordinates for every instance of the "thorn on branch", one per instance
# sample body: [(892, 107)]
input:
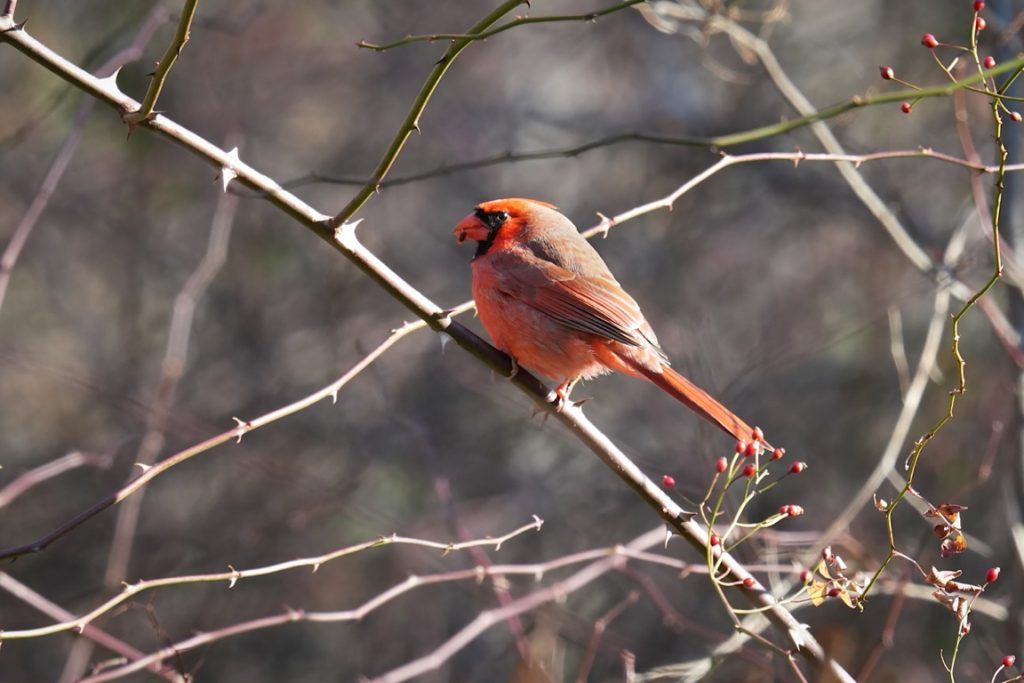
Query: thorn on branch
[(243, 426), (17, 27)]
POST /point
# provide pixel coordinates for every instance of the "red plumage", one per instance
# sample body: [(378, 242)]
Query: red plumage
[(547, 299)]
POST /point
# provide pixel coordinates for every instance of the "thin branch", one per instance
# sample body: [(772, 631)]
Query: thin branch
[(93, 633), (911, 405), (529, 602), (961, 385), (172, 369), (232, 576), (600, 626), (163, 69), (60, 162), (345, 241), (39, 203), (243, 428), (602, 560), (9, 7), (569, 152), (412, 118), (484, 35), (38, 475)]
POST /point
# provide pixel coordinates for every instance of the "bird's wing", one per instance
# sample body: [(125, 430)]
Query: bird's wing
[(597, 305)]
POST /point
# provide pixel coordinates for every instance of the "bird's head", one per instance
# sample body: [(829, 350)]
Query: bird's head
[(499, 219)]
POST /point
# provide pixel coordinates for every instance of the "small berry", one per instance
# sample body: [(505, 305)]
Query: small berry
[(778, 453), (978, 5), (751, 449), (929, 40), (741, 446), (798, 467), (749, 582), (668, 481), (979, 24), (833, 592), (795, 510), (1009, 661), (721, 464), (805, 576), (906, 107), (992, 574), (784, 510), (714, 540), (1015, 115), (757, 434), (989, 62), (749, 470), (887, 73), (965, 629)]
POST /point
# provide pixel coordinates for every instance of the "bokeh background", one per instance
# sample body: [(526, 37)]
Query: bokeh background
[(771, 285)]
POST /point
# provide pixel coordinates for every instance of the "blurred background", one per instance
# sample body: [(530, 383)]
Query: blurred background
[(770, 285)]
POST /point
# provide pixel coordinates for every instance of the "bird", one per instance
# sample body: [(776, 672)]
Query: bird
[(549, 301)]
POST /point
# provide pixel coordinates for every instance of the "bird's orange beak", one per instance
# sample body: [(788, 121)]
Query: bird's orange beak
[(471, 228)]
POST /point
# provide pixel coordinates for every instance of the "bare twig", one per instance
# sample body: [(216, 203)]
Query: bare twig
[(602, 560), (93, 633), (531, 601), (898, 349), (518, 21), (38, 475), (894, 447), (412, 118), (163, 69), (232, 576), (569, 152), (243, 428), (171, 370), (600, 626), (958, 359), (60, 162), (42, 198), (344, 239)]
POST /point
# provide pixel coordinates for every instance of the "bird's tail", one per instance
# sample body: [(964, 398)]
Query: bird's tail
[(696, 399)]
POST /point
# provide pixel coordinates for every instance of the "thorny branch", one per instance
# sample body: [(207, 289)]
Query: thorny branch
[(163, 69), (569, 152), (233, 576), (344, 239), (518, 21)]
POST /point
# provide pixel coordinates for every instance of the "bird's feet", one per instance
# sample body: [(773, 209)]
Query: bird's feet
[(562, 394)]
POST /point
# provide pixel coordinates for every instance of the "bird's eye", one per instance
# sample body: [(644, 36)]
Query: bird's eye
[(500, 217)]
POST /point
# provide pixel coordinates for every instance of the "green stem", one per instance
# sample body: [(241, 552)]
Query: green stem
[(412, 118), (156, 85)]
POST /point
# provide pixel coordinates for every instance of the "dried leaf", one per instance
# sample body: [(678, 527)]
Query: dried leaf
[(818, 592), (942, 578), (955, 544)]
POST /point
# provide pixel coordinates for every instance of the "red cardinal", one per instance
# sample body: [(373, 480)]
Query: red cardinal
[(549, 301)]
